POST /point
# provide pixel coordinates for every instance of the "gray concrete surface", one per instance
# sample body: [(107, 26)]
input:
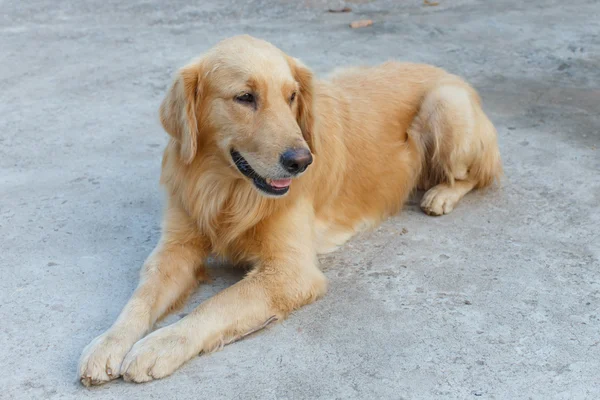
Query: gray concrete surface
[(499, 300)]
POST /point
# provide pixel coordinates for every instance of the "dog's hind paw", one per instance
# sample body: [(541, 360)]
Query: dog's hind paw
[(440, 200)]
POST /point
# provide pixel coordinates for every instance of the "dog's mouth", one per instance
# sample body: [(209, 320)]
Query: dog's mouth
[(275, 187)]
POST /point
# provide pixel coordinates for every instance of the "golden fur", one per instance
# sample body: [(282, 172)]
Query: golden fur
[(375, 133)]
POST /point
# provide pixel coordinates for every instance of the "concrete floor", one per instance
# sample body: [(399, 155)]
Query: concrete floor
[(499, 300)]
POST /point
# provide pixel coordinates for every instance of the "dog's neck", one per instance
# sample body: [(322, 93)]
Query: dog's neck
[(224, 205)]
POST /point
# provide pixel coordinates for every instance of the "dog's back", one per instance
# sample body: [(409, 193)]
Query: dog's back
[(401, 124)]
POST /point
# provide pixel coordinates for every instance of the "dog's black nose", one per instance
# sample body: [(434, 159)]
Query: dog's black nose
[(296, 161)]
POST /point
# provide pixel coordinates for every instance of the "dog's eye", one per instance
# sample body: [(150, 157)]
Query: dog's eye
[(292, 97), (246, 98)]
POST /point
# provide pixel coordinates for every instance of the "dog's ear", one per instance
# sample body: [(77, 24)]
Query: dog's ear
[(305, 116), (179, 110)]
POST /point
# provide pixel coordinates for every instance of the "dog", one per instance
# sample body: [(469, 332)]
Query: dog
[(268, 166)]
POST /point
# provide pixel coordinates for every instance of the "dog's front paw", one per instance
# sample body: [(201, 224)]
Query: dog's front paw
[(100, 361), (157, 355)]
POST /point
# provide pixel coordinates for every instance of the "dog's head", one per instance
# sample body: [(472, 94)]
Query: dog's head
[(251, 103)]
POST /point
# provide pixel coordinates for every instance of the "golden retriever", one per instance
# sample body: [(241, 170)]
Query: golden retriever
[(268, 166)]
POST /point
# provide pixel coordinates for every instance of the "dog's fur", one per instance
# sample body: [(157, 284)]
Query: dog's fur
[(376, 134)]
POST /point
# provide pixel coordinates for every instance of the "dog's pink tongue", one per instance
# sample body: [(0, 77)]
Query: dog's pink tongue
[(280, 183)]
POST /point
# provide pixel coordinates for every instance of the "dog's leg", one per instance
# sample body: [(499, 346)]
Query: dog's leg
[(286, 278), (462, 152), (168, 276)]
